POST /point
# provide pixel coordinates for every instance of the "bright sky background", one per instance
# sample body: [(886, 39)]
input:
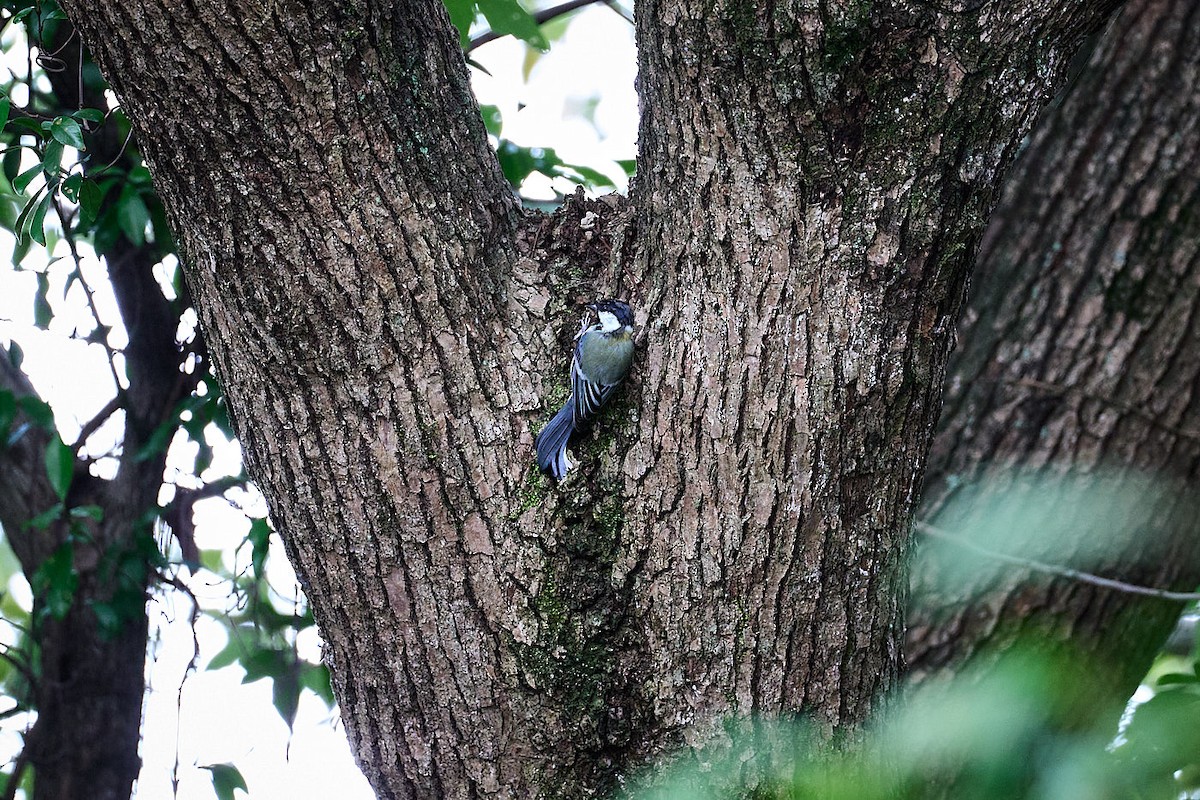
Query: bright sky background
[(215, 718)]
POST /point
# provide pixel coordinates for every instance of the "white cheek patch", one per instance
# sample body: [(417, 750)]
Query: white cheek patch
[(608, 321)]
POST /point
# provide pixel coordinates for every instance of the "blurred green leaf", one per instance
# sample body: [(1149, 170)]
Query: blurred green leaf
[(94, 513), (519, 162), (42, 313), (285, 694), (8, 412), (462, 14), (315, 678), (5, 108), (260, 543), (89, 114), (43, 520), (90, 197), (492, 119), (60, 466), (264, 662), (39, 411), (508, 17), (132, 215), (226, 778), (55, 581)]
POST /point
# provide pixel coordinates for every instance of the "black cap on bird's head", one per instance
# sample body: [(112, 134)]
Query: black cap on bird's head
[(618, 308)]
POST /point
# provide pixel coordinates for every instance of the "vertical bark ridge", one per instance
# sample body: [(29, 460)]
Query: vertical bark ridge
[(839, 162)]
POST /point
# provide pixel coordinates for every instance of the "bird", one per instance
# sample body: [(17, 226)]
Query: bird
[(603, 353)]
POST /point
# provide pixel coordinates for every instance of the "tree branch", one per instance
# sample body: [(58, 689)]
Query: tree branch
[(1054, 569), (541, 17)]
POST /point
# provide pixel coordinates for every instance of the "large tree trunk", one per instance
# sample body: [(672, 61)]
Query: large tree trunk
[(388, 327), (1080, 352)]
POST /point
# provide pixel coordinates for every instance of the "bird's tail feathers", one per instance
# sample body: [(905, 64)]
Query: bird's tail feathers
[(552, 444)]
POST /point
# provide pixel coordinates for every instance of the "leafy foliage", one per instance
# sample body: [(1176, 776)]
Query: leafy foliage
[(1009, 732), (503, 16), (74, 190)]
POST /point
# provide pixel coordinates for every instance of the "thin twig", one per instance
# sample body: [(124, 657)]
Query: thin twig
[(69, 237), (1054, 569), (20, 666), (191, 667), (121, 152), (541, 17), (620, 12), (95, 422), (14, 780)]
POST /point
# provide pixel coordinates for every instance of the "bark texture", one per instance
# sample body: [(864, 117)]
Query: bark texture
[(388, 327), (1080, 355)]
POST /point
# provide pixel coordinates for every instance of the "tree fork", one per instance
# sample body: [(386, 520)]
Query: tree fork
[(812, 184)]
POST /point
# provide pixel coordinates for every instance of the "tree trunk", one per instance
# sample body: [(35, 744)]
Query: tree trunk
[(1079, 355), (388, 327), (88, 677)]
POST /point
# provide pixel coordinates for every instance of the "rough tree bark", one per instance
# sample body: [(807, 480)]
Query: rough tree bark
[(89, 683), (1080, 351), (388, 326)]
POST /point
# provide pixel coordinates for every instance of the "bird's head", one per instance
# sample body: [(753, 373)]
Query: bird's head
[(613, 314)]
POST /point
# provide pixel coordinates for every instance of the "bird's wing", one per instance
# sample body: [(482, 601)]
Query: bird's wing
[(587, 396)]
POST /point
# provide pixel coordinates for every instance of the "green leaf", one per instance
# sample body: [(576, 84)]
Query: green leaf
[(132, 215), (52, 157), (37, 220), (507, 17), (259, 538), (1177, 678), (95, 513), (462, 14), (67, 131), (55, 581), (89, 114), (225, 779), (315, 678), (12, 164), (30, 125), (60, 466), (266, 662), (39, 411), (231, 653), (5, 108), (43, 520), (492, 119), (629, 165), (590, 177), (16, 356), (285, 694), (90, 197), (42, 312), (71, 186), (8, 412), (22, 181)]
